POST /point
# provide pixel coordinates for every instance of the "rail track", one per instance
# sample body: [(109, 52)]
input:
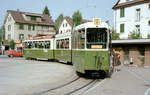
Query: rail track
[(76, 86)]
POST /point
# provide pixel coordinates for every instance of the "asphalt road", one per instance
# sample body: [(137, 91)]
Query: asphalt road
[(27, 77)]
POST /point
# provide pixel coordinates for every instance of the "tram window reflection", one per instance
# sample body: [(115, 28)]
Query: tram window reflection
[(96, 38)]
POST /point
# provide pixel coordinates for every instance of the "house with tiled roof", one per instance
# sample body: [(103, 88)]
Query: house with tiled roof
[(66, 25), (21, 25), (132, 15)]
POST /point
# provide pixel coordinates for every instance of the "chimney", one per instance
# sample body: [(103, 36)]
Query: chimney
[(18, 10)]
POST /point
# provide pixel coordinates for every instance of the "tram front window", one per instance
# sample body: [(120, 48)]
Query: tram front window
[(96, 38)]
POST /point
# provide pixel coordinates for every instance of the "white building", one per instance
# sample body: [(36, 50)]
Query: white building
[(66, 25), (132, 15), (21, 25)]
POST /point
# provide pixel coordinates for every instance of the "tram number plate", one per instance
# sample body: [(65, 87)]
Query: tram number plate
[(96, 46)]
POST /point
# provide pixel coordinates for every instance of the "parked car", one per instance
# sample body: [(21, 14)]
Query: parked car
[(13, 53)]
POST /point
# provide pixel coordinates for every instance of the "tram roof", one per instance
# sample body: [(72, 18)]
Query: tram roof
[(133, 41), (92, 25)]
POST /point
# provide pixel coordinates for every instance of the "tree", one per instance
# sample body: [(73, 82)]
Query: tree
[(58, 21), (76, 18), (46, 12), (12, 44), (115, 35), (148, 36), (2, 33), (135, 35)]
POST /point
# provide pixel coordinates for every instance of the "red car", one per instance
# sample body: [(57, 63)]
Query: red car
[(13, 53)]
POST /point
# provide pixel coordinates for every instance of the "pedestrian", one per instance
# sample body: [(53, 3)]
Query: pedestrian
[(116, 60)]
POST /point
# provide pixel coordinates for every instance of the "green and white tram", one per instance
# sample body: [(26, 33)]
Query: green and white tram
[(90, 48), (63, 47), (39, 47), (86, 47)]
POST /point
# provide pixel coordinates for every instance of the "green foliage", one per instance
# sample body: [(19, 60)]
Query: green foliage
[(135, 35), (76, 18), (46, 12), (115, 35), (58, 21), (148, 36), (12, 44)]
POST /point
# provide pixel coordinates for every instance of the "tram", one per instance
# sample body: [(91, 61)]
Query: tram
[(90, 48), (86, 47)]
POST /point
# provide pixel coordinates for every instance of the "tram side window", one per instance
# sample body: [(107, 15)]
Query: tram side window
[(96, 38), (29, 44), (36, 44), (66, 45), (25, 45), (80, 39), (57, 44), (47, 44)]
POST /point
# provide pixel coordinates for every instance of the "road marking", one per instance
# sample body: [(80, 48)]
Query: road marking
[(147, 91)]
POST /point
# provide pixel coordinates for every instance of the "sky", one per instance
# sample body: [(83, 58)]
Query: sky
[(89, 8)]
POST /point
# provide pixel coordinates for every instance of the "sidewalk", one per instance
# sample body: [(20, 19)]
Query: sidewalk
[(124, 82)]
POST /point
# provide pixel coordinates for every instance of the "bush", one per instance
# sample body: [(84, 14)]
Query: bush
[(135, 35), (12, 44), (115, 35), (148, 36)]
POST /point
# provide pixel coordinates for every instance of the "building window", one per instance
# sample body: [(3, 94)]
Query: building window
[(149, 6), (21, 36), (31, 27), (137, 28), (138, 13), (149, 22), (9, 37), (9, 27), (121, 28), (9, 19), (29, 36), (122, 12), (21, 26), (45, 27), (33, 18)]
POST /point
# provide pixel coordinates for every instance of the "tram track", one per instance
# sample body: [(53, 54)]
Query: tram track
[(75, 87)]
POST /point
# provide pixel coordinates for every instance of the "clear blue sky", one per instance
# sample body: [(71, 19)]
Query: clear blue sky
[(88, 8)]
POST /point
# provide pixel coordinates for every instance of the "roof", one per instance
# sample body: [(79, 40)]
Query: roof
[(92, 25), (129, 3), (69, 20), (135, 41), (18, 17)]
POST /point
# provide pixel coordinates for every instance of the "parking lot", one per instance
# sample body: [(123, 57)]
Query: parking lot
[(24, 77)]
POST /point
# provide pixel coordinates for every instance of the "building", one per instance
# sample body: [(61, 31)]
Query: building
[(66, 25), (21, 25), (138, 49), (132, 15)]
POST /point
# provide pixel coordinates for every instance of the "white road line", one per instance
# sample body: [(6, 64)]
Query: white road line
[(147, 91)]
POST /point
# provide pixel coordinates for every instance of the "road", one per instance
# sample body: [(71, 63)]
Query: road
[(27, 77)]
